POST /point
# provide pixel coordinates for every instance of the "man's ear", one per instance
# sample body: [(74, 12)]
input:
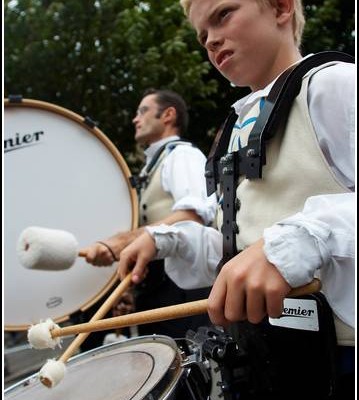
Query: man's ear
[(169, 115)]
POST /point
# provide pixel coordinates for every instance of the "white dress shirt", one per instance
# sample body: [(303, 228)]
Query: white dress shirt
[(182, 176), (321, 236)]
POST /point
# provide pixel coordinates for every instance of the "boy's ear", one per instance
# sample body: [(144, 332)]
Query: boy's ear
[(285, 10)]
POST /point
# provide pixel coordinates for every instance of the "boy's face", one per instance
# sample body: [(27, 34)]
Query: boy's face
[(242, 39)]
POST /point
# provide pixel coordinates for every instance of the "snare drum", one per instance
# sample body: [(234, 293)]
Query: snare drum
[(147, 367), (61, 172)]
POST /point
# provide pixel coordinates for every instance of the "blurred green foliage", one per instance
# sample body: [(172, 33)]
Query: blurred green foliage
[(96, 58)]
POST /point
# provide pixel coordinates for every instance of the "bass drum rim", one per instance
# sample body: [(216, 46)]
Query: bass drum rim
[(94, 130)]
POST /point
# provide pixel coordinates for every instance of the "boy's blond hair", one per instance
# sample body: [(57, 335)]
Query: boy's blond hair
[(298, 16)]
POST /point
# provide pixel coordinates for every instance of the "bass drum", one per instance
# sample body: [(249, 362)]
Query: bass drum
[(61, 172), (142, 368)]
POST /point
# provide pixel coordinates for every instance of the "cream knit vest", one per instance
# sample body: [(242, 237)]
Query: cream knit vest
[(155, 203)]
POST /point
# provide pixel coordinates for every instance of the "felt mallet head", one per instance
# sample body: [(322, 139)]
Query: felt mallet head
[(47, 249)]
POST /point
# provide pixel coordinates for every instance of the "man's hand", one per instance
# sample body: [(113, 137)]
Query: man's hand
[(98, 254), (106, 252), (248, 287), (137, 255)]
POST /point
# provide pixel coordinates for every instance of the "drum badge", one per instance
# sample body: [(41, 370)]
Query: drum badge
[(298, 314), (54, 302)]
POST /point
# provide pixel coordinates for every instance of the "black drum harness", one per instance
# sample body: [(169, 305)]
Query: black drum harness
[(224, 168)]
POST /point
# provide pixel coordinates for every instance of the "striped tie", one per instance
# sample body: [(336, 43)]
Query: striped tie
[(242, 130)]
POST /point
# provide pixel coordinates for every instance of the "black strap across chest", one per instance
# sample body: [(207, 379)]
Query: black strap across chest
[(137, 181)]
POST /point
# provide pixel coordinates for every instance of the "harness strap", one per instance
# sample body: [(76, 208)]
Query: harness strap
[(137, 181), (225, 169)]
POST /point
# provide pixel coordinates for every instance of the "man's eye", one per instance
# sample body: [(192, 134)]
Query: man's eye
[(142, 110)]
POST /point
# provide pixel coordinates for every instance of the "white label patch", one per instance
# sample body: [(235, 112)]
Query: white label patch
[(299, 314)]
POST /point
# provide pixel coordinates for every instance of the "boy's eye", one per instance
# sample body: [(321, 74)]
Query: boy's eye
[(224, 12), (202, 39)]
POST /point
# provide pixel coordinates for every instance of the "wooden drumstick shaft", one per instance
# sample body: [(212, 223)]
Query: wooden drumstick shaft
[(161, 314), (143, 317), (101, 312)]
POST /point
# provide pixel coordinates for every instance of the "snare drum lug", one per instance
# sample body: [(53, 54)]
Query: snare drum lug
[(224, 388), (223, 385), (184, 356), (206, 364), (189, 361), (221, 353)]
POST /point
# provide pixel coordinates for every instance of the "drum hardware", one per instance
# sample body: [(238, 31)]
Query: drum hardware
[(231, 358), (15, 98), (192, 354), (88, 121), (196, 367)]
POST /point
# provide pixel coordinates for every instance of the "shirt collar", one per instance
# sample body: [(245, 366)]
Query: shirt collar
[(243, 105), (152, 148)]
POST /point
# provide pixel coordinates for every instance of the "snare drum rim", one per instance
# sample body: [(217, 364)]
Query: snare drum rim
[(168, 382), (42, 105), (164, 388)]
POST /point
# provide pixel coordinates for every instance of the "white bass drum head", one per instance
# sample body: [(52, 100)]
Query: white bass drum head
[(59, 173)]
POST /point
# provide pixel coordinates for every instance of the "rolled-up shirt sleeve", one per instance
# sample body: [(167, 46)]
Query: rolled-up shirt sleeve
[(191, 251), (183, 176), (320, 240)]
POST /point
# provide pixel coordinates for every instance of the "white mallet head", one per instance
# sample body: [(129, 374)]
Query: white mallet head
[(47, 249), (39, 335), (52, 373)]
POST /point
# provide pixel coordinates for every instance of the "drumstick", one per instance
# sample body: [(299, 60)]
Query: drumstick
[(161, 314), (76, 343), (101, 312)]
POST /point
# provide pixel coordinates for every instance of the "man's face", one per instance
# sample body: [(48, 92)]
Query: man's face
[(241, 38), (148, 121)]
